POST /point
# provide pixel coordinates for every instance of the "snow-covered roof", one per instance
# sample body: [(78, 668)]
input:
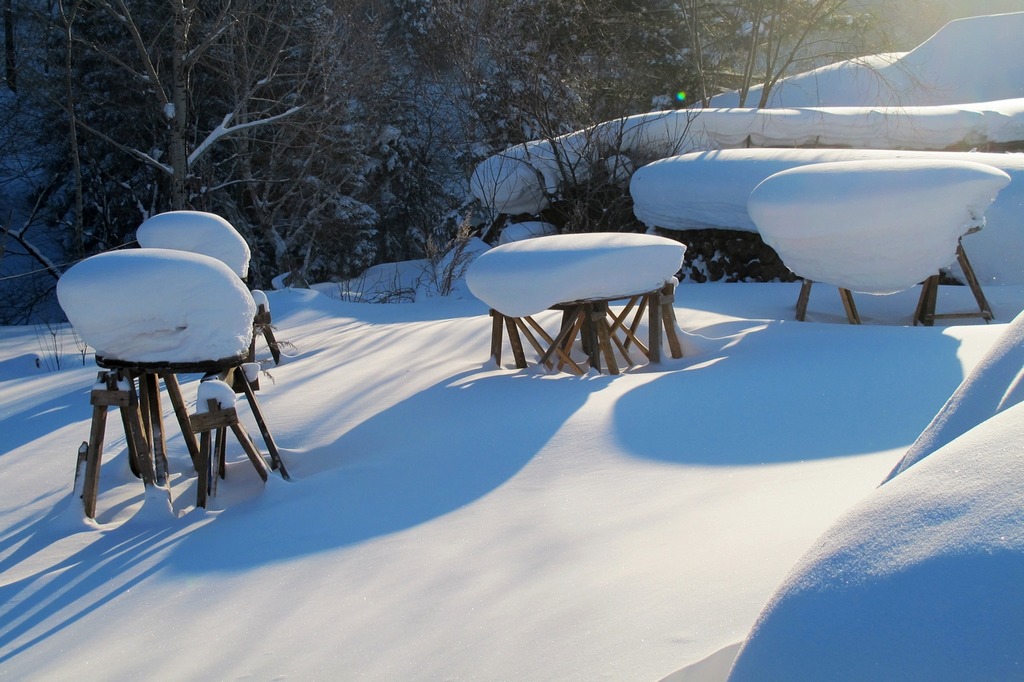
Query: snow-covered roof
[(158, 305)]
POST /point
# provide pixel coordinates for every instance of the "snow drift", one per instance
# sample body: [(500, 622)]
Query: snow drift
[(923, 575)]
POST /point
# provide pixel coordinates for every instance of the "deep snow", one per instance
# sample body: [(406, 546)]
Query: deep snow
[(447, 519)]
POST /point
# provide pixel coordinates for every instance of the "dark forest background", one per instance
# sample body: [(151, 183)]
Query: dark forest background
[(337, 134)]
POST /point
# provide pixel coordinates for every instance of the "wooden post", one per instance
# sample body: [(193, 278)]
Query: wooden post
[(654, 325), (156, 425), (925, 312), (972, 282), (275, 455), (497, 329), (599, 323), (515, 342), (668, 317), (170, 380), (802, 300), (851, 308)]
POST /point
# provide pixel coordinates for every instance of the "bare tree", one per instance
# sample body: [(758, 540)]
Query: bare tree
[(193, 32)]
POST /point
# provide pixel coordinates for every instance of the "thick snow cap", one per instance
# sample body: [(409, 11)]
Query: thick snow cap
[(198, 232), (525, 277), (873, 226), (158, 306)]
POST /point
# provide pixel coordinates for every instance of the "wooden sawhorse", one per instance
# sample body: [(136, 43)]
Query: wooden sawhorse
[(925, 313), (142, 418), (597, 327)]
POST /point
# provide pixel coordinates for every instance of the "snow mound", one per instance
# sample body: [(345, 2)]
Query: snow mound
[(516, 232), (994, 385), (968, 60), (872, 226), (920, 581), (196, 232), (158, 305), (525, 277)]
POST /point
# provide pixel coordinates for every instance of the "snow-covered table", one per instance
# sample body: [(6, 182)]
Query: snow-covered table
[(877, 226), (580, 275), (151, 314)]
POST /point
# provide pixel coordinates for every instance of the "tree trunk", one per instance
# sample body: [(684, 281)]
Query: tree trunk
[(10, 55), (178, 116)]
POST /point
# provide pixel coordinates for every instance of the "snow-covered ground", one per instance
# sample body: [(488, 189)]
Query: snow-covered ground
[(451, 520)]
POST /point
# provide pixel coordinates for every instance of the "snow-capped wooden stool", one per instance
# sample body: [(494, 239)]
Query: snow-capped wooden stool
[(215, 415), (580, 275), (876, 227)]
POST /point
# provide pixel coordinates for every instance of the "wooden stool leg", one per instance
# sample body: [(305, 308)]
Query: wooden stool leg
[(181, 412), (156, 427), (668, 318), (515, 342), (599, 324), (803, 299), (139, 448), (654, 325), (93, 459), (275, 350), (275, 456), (204, 469), (255, 457), (972, 282), (589, 337), (925, 312), (497, 330), (851, 308)]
